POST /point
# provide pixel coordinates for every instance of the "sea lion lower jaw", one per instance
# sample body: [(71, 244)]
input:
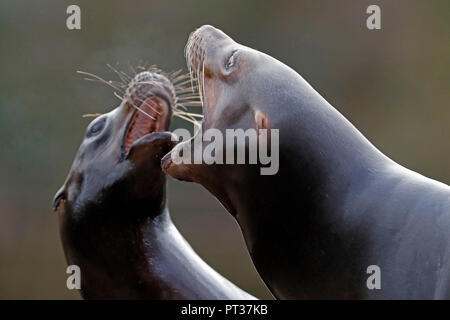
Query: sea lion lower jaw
[(336, 206), (112, 209)]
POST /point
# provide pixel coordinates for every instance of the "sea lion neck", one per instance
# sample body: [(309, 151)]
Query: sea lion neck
[(321, 154), (118, 216), (115, 250), (144, 258)]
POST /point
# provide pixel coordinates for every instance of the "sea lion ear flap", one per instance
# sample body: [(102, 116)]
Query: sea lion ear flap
[(60, 195), (261, 120)]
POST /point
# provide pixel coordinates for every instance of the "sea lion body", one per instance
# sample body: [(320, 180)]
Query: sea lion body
[(336, 206), (114, 220)]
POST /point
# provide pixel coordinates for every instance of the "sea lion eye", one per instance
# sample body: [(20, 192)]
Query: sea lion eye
[(96, 127), (231, 60)]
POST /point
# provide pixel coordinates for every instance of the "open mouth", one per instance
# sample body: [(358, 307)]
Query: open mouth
[(150, 116), (153, 97)]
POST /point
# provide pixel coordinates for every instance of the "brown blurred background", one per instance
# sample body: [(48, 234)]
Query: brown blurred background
[(393, 84)]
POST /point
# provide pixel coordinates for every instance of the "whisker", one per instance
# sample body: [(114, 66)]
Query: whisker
[(121, 76), (185, 82), (192, 103), (188, 90), (203, 79), (125, 74), (182, 77), (133, 70), (173, 76), (188, 95), (99, 79), (179, 105), (91, 115), (133, 105), (196, 115), (143, 101), (188, 119)]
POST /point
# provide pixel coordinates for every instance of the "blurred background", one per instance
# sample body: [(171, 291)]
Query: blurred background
[(393, 84)]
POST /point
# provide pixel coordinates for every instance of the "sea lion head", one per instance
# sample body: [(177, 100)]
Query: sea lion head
[(118, 162), (231, 77), (237, 85)]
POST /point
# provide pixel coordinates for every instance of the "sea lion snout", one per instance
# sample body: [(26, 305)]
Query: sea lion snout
[(147, 84), (203, 43), (208, 31)]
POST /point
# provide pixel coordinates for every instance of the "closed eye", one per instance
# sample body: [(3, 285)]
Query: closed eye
[(96, 128), (231, 60)]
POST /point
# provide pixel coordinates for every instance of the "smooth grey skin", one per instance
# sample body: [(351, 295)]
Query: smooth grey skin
[(114, 217), (337, 205)]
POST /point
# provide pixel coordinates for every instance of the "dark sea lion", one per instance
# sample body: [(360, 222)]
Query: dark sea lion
[(113, 212), (336, 206)]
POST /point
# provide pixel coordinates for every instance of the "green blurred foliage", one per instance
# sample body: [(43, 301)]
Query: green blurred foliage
[(393, 84)]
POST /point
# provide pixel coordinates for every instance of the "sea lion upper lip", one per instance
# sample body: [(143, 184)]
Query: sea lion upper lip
[(195, 51)]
